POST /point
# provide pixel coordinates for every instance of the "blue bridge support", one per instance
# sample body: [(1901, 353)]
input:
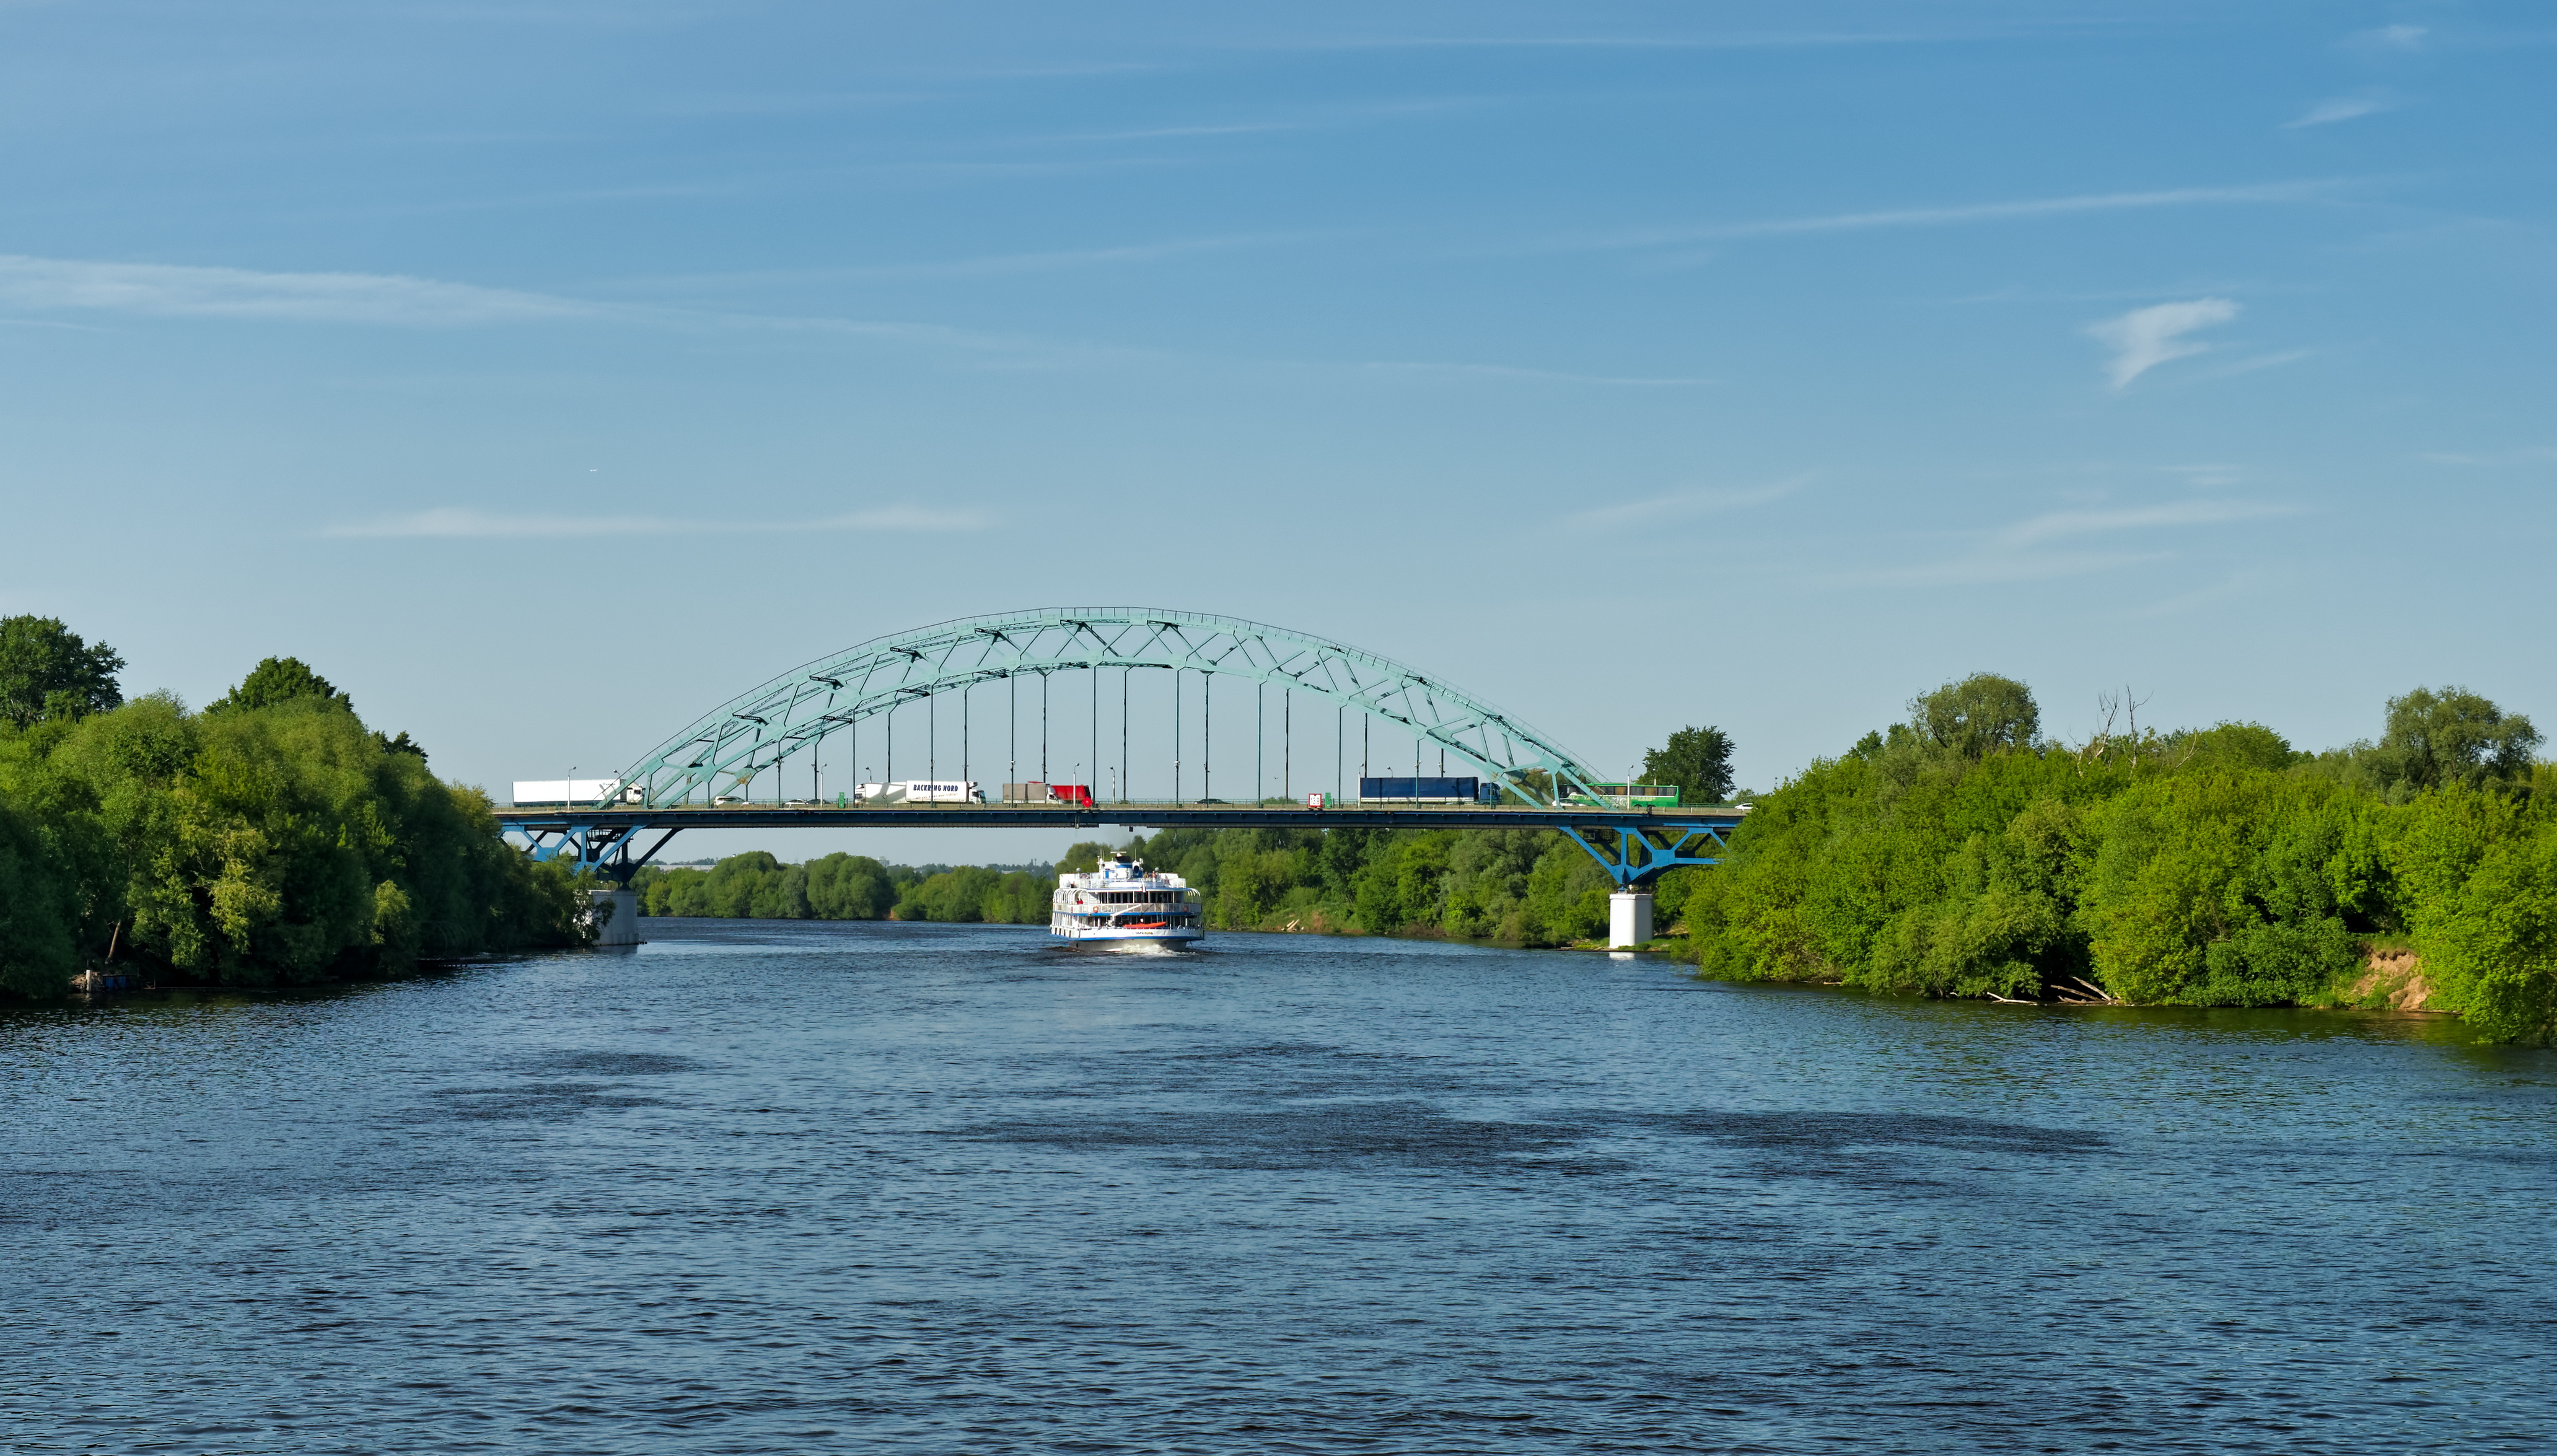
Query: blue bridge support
[(1634, 845)]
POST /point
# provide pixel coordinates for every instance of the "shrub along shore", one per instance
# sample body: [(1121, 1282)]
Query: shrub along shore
[(1960, 854), (271, 838)]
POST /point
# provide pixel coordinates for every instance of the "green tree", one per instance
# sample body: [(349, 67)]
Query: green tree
[(1082, 857), (1566, 898), (2250, 745), (676, 891), (1403, 882), (782, 894), (2214, 887), (48, 670), (2490, 942), (1698, 760), (1909, 870), (38, 906), (2226, 869), (1021, 899), (953, 895), (267, 843), (282, 680), (401, 744), (1978, 716), (753, 886), (274, 844), (2455, 736), (850, 888), (1489, 872)]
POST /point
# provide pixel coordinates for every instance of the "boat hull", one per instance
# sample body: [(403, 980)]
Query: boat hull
[(1059, 927)]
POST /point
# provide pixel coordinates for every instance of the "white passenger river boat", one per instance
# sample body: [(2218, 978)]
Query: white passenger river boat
[(1122, 901)]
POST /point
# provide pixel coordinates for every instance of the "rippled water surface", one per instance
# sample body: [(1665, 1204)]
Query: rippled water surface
[(790, 1188)]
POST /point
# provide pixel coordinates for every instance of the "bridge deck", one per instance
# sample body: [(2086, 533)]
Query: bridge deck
[(1150, 816)]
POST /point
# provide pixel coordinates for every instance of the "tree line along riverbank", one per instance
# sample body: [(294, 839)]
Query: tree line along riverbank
[(1521, 886), (1962, 853), (1957, 854), (271, 838)]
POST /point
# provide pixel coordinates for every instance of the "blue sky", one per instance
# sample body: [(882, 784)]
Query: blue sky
[(544, 373)]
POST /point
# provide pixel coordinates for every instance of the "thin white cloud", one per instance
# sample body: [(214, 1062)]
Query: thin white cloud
[(2116, 295), (2341, 108), (170, 291), (1172, 133), (1546, 376), (463, 522), (2031, 207), (2526, 455), (1682, 260), (904, 519), (1062, 71), (1012, 263), (2234, 586), (1680, 504), (2144, 339), (1763, 41), (2253, 363), (1988, 569), (2059, 525), (2392, 37), (392, 299), (173, 291), (2207, 475), (991, 265), (459, 521), (2058, 544)]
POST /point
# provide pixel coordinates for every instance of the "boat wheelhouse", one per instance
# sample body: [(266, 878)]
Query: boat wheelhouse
[(1122, 901)]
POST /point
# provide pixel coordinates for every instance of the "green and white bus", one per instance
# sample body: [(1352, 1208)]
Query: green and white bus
[(1631, 796)]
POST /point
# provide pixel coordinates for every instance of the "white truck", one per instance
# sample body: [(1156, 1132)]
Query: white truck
[(542, 793), (922, 791)]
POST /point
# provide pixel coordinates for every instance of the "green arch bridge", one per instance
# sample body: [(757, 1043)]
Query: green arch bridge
[(708, 774)]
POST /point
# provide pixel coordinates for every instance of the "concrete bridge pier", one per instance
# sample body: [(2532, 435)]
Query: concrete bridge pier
[(1629, 918), (618, 912)]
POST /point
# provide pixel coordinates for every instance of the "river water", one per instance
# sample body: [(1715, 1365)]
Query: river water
[(776, 1187)]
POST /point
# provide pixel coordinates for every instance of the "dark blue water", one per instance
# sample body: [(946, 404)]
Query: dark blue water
[(793, 1188)]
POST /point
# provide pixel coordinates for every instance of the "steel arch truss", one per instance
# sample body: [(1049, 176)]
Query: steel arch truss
[(1645, 853), (796, 712)]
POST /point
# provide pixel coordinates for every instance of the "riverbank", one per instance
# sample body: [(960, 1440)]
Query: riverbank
[(755, 886)]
